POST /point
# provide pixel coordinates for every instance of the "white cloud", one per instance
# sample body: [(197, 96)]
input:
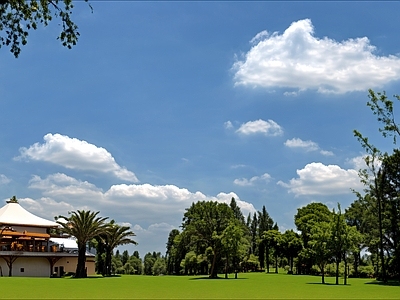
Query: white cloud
[(228, 125), (4, 179), (255, 179), (269, 128), (75, 154), (134, 203), (296, 59), (246, 207), (320, 179), (306, 146), (298, 143)]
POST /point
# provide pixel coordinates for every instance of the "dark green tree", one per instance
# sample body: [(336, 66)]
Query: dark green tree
[(204, 222)]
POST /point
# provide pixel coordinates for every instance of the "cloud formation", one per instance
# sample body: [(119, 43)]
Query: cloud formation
[(307, 146), (139, 204), (296, 59), (4, 179), (319, 179), (76, 154), (253, 180), (268, 128)]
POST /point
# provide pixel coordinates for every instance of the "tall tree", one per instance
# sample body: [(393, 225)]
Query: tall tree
[(17, 17), (205, 222), (374, 177), (84, 226), (113, 236), (292, 245), (319, 245), (305, 219), (265, 223)]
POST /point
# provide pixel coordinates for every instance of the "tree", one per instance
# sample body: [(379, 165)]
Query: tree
[(148, 263), (305, 219), (204, 222), (374, 177), (291, 246), (172, 253), (273, 239), (265, 223), (115, 235), (136, 263), (17, 17), (159, 267), (319, 245), (233, 242), (84, 226)]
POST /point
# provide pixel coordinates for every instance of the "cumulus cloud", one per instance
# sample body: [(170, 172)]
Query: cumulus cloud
[(268, 128), (133, 203), (75, 154), (4, 179), (296, 59), (307, 146), (253, 180), (320, 179)]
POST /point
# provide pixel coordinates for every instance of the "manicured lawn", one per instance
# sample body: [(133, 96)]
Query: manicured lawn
[(248, 286)]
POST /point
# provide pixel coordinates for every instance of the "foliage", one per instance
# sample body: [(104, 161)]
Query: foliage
[(159, 267), (205, 222), (84, 226), (381, 199), (115, 235), (17, 17)]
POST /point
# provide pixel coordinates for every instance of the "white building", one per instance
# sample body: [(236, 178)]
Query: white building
[(28, 247)]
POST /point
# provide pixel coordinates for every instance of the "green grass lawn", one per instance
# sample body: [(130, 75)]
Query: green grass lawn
[(248, 286)]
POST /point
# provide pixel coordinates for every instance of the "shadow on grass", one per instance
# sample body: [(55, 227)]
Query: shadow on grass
[(217, 278), (327, 283), (389, 283)]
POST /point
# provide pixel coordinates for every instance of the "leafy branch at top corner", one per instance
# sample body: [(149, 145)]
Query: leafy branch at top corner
[(383, 108), (17, 17)]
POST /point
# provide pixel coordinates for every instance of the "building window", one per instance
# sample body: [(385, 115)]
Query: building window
[(22, 270)]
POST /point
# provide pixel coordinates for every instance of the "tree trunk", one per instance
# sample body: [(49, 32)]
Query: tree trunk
[(226, 267), (267, 258), (345, 270), (80, 267), (323, 275), (213, 272), (276, 264), (337, 271), (381, 254)]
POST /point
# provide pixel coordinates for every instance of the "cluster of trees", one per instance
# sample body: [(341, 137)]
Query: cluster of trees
[(89, 228), (152, 263), (215, 238)]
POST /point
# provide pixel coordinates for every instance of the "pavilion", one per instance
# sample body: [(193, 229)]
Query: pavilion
[(31, 247)]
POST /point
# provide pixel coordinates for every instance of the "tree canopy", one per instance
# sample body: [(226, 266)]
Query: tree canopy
[(18, 17)]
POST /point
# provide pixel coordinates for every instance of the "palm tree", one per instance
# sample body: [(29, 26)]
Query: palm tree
[(84, 226), (115, 235)]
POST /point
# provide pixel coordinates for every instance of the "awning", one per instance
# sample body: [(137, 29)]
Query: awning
[(7, 233)]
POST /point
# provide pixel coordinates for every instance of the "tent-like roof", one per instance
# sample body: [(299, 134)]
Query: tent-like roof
[(14, 214)]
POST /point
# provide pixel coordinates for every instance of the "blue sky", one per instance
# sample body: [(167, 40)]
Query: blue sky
[(165, 103)]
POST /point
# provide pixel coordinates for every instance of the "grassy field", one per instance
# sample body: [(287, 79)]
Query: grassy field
[(248, 286)]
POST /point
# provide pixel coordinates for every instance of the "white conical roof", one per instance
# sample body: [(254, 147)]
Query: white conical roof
[(14, 214)]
